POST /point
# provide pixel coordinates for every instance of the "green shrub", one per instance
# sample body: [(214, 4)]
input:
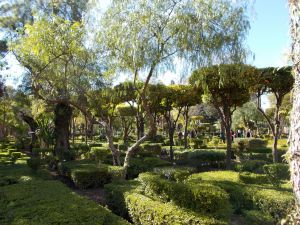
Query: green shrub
[(144, 210), (256, 217), (262, 150), (116, 192), (198, 143), (34, 164), (151, 148), (16, 155), (261, 156), (90, 177), (139, 165), (274, 202), (257, 143), (95, 145), (49, 203), (157, 139), (201, 155), (7, 180), (174, 173), (276, 172), (253, 166), (204, 198), (99, 153), (10, 151), (240, 147), (116, 172), (252, 178)]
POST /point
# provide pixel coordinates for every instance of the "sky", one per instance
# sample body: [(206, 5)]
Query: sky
[(268, 38)]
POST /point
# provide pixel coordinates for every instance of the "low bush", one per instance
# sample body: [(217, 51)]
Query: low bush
[(144, 210), (252, 178), (139, 165), (48, 203), (264, 150), (90, 177), (95, 145), (204, 198), (201, 155), (240, 147), (253, 166), (256, 217), (174, 173), (100, 153), (34, 164), (116, 192), (10, 151), (257, 143), (8, 180), (16, 155), (276, 172), (198, 143), (150, 149), (261, 156), (116, 172), (273, 202)]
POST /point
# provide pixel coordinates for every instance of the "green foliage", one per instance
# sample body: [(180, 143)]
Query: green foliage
[(16, 155), (240, 148), (256, 217), (257, 144), (252, 178), (174, 173), (201, 155), (198, 143), (8, 180), (153, 149), (139, 165), (90, 177), (276, 172), (255, 166), (48, 203), (116, 193), (99, 153), (141, 208), (204, 198), (34, 164)]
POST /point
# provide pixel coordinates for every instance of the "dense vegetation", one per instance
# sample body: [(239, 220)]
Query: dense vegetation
[(199, 152)]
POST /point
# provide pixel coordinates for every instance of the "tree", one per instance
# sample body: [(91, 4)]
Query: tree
[(226, 87), (59, 65), (279, 82), (143, 37), (294, 149)]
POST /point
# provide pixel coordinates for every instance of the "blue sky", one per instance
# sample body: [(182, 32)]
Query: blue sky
[(269, 35)]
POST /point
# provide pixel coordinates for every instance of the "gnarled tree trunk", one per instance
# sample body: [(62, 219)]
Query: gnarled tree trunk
[(33, 127), (63, 115)]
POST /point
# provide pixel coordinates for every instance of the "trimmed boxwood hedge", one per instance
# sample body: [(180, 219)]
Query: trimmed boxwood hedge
[(48, 203), (256, 217), (252, 178), (204, 198), (144, 210)]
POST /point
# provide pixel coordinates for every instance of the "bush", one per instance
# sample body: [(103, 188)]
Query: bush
[(34, 164), (204, 198), (257, 143), (174, 173), (116, 172), (16, 155), (48, 203), (261, 150), (8, 180), (151, 149), (198, 143), (256, 217), (276, 172), (90, 177), (253, 166), (240, 147), (158, 139), (144, 210), (95, 145), (10, 151), (201, 155), (100, 153), (116, 192), (85, 173), (261, 156), (139, 165), (273, 202), (252, 178)]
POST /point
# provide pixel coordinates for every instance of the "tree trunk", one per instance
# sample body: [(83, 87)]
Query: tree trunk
[(186, 117), (109, 135), (228, 146), (171, 139), (33, 127), (63, 115), (294, 149), (85, 130)]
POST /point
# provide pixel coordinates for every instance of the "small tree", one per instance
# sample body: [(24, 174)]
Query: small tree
[(226, 87), (279, 82)]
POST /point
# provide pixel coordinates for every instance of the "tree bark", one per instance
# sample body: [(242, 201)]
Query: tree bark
[(186, 118), (63, 115), (294, 139), (109, 136), (33, 127)]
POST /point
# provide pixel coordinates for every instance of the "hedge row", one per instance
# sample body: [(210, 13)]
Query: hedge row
[(48, 203), (144, 210)]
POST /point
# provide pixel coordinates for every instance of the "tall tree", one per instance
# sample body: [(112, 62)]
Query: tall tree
[(59, 65), (294, 149), (142, 37), (279, 82), (226, 87)]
